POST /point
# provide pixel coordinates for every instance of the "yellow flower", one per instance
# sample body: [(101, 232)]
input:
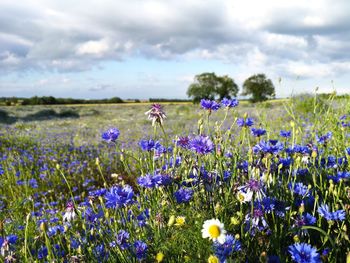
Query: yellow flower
[(159, 257), (180, 221), (213, 259)]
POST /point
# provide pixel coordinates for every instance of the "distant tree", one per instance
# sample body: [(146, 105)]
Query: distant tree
[(259, 87), (208, 86)]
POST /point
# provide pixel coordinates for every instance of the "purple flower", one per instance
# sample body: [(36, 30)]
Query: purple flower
[(183, 195), (183, 142), (258, 132), (324, 138), (140, 249), (323, 210), (285, 134), (229, 103), (111, 135), (33, 183), (245, 122), (304, 253), (223, 251), (305, 220), (272, 146), (149, 145), (299, 189), (210, 105), (119, 196), (122, 239), (156, 114), (146, 181), (201, 144)]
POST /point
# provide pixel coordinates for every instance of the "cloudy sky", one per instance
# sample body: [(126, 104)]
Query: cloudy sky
[(154, 48)]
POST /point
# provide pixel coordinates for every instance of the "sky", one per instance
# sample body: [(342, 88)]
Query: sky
[(142, 49)]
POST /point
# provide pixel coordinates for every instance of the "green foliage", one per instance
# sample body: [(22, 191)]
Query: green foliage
[(307, 103), (209, 86), (259, 87)]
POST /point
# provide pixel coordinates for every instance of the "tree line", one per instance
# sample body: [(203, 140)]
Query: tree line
[(211, 86), (50, 100)]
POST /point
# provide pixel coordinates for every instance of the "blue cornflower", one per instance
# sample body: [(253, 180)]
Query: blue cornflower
[(245, 122), (201, 144), (33, 183), (146, 181), (258, 132), (42, 252), (111, 135), (222, 251), (183, 195), (285, 134), (140, 249), (183, 142), (256, 222), (100, 253), (119, 196), (210, 105), (272, 146), (1, 170), (122, 239), (230, 103), (299, 189), (149, 145), (305, 219), (161, 180), (304, 253), (324, 138), (339, 176), (323, 210)]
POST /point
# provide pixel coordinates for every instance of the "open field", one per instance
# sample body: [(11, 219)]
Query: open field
[(146, 193)]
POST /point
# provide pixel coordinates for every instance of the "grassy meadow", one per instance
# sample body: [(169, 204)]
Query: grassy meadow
[(266, 182)]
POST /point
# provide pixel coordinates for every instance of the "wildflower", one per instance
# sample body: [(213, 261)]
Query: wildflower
[(285, 134), (256, 132), (122, 239), (299, 189), (229, 103), (254, 186), (339, 176), (348, 150), (159, 257), (146, 181), (183, 195), (214, 230), (245, 122), (183, 142), (111, 135), (70, 213), (303, 252), (222, 251), (323, 210), (156, 114), (201, 144), (210, 105), (272, 146), (324, 138), (119, 196), (255, 221), (33, 183), (180, 221), (213, 259), (149, 145), (305, 220), (140, 249), (244, 197)]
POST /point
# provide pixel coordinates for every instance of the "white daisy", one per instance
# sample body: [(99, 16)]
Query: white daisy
[(214, 230)]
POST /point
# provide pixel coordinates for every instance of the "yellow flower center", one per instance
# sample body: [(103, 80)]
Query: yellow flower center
[(214, 231), (180, 221)]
